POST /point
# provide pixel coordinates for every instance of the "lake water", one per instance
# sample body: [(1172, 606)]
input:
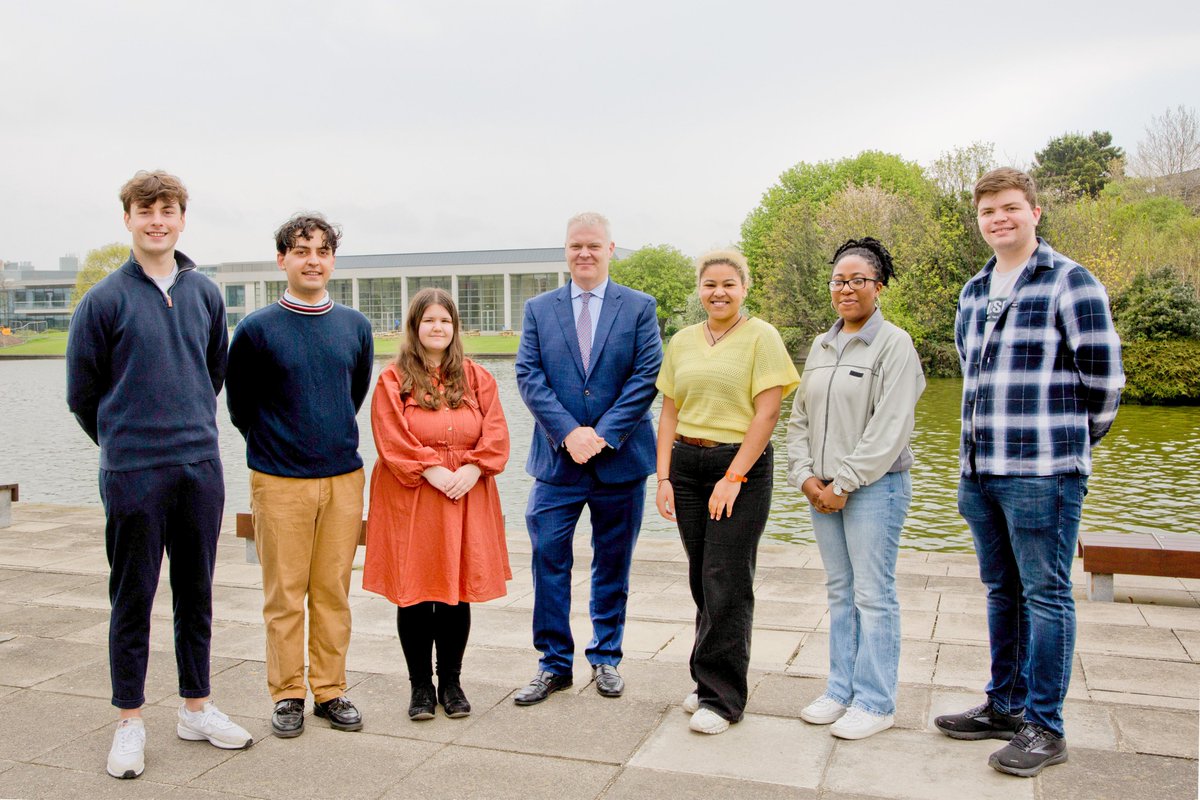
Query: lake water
[(1147, 471)]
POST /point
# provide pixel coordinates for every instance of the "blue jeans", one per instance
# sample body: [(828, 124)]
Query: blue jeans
[(1025, 531), (858, 547)]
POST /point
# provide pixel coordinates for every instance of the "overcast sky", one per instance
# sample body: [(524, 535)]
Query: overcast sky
[(475, 125)]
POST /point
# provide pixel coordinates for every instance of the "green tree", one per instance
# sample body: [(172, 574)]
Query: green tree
[(662, 272), (954, 172), (1074, 165), (96, 265), (1157, 306)]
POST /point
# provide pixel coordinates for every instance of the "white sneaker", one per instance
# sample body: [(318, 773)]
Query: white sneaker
[(823, 711), (127, 758), (209, 724), (857, 723), (705, 720), (691, 703)]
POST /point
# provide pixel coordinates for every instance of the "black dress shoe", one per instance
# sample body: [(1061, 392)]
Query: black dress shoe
[(542, 685), (287, 720), (608, 681), (424, 702), (452, 700), (341, 713)]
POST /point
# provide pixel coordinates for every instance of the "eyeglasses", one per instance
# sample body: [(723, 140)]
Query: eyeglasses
[(855, 283)]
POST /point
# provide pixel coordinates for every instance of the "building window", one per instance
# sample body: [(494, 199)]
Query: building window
[(525, 287), (481, 302), (380, 300), (235, 295)]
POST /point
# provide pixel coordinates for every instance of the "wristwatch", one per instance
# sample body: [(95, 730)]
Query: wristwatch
[(837, 490)]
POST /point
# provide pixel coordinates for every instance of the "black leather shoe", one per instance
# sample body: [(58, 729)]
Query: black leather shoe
[(452, 700), (424, 702), (287, 720), (541, 687), (608, 681), (341, 713)]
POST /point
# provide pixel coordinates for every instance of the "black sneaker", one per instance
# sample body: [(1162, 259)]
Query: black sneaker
[(980, 722), (1030, 750)]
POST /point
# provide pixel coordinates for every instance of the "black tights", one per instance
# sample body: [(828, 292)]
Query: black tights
[(423, 624)]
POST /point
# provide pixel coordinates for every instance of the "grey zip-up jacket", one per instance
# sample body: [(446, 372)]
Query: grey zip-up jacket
[(853, 414)]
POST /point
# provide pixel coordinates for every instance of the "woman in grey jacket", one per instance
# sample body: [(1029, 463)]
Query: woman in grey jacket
[(848, 452)]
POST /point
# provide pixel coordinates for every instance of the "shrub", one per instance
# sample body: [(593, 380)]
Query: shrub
[(1157, 306), (1162, 372)]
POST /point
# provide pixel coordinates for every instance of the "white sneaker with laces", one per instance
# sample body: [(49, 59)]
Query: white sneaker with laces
[(858, 723), (823, 711), (691, 703), (127, 758), (705, 720), (209, 724)]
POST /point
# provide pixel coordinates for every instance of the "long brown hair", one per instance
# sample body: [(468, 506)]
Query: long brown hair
[(420, 378)]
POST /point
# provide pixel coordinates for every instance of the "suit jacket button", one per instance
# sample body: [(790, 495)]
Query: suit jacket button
[(587, 393)]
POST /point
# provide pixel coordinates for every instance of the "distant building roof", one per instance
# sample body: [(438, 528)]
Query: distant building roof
[(452, 258)]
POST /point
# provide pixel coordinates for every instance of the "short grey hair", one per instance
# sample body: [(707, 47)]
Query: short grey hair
[(591, 218)]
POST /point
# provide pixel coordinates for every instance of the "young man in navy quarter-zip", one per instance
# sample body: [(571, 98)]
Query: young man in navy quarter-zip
[(1042, 380), (146, 358), (299, 371)]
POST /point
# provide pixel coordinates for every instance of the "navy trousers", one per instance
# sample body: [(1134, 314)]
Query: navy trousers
[(176, 509), (551, 516)]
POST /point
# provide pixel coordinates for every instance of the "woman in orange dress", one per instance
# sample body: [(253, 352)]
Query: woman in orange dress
[(435, 532)]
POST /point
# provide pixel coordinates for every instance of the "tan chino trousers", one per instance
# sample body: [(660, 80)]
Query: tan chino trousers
[(306, 531)]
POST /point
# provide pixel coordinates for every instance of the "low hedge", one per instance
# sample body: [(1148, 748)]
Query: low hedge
[(1162, 373)]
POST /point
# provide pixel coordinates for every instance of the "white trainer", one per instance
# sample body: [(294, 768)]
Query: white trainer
[(691, 703), (857, 723), (823, 711), (209, 724), (127, 758), (705, 720)]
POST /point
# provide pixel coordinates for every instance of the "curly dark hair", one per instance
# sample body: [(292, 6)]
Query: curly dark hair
[(302, 226), (873, 252)]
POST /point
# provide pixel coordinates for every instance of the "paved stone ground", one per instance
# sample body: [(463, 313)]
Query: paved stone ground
[(1131, 714)]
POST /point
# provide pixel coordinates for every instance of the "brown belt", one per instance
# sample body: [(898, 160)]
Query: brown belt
[(694, 442)]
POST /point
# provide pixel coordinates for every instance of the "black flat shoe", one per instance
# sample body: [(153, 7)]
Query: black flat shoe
[(541, 687), (341, 713), (452, 700), (424, 702), (287, 720), (608, 681)]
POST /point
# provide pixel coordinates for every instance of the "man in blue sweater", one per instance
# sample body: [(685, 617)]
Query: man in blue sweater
[(145, 360), (299, 371)]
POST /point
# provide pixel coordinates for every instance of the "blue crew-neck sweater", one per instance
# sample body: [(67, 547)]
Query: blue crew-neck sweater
[(144, 369), (296, 381)]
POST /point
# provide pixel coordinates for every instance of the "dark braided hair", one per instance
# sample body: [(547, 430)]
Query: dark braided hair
[(873, 252)]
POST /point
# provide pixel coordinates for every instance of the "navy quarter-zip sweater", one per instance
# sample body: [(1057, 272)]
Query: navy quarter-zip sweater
[(144, 369), (296, 382)]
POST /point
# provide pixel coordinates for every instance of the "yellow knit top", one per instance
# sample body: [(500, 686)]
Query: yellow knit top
[(714, 386)]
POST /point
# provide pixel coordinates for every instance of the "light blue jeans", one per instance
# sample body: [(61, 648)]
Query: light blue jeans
[(858, 545)]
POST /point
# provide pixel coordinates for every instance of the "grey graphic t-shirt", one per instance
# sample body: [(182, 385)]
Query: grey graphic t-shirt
[(999, 289)]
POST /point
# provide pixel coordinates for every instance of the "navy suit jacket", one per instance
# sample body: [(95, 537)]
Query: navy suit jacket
[(613, 397)]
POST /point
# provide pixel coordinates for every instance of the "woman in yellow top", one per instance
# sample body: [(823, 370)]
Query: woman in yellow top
[(722, 382)]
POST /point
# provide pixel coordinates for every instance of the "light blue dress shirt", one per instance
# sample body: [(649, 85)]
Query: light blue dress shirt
[(595, 303)]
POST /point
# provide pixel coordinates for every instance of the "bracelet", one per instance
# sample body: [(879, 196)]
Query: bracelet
[(662, 478), (733, 476)]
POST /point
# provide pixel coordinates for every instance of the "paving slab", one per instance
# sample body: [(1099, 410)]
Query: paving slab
[(639, 783), (764, 749), (29, 585), (1089, 611), (970, 628), (1141, 675), (27, 660), (73, 717), (1171, 617), (383, 701), (322, 764), (40, 782), (783, 695), (916, 765), (1126, 640), (1191, 642), (466, 772), (1142, 700), (162, 678), (660, 683), (963, 665), (47, 621), (554, 727), (1154, 731), (1092, 774), (1087, 724)]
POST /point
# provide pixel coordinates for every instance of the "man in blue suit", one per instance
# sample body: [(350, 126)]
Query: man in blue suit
[(586, 367)]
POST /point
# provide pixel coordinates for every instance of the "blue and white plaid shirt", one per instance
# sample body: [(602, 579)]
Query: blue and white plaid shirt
[(1044, 389)]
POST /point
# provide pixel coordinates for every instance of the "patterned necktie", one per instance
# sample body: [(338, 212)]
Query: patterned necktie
[(583, 329)]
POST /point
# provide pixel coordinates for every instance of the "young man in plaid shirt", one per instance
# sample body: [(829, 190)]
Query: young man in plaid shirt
[(1042, 379)]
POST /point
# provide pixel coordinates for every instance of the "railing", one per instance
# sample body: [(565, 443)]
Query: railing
[(42, 305)]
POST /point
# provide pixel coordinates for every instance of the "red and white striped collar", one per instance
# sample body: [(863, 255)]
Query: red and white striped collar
[(291, 303)]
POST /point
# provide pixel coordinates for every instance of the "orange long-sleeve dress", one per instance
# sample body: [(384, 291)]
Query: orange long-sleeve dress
[(421, 545)]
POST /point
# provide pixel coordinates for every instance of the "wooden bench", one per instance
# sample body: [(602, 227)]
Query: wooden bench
[(1167, 555), (8, 496), (245, 530)]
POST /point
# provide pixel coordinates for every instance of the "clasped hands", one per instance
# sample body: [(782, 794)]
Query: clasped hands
[(453, 483), (820, 495), (583, 444)]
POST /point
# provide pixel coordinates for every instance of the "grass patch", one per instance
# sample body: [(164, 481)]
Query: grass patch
[(50, 343)]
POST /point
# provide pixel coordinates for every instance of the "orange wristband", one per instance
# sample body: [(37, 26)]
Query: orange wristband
[(733, 476)]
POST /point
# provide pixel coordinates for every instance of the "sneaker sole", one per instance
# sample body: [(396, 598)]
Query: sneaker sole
[(458, 714), (1028, 772), (424, 715), (854, 736), (190, 735), (813, 719), (127, 774), (975, 736)]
